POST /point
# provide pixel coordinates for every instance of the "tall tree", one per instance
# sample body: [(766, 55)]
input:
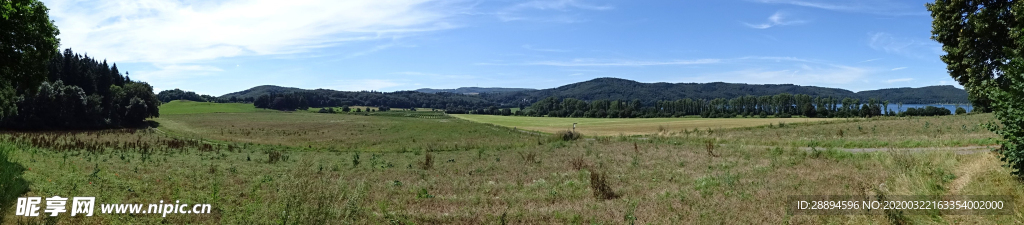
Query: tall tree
[(983, 42), (975, 35), (28, 40)]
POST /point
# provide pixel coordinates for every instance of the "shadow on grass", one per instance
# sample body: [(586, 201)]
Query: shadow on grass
[(151, 124), (12, 184)]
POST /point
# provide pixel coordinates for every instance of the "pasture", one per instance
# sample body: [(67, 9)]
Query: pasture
[(404, 168), (179, 107), (345, 132), (626, 126)]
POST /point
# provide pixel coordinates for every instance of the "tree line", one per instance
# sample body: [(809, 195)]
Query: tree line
[(328, 98), (178, 94), (780, 106), (80, 92)]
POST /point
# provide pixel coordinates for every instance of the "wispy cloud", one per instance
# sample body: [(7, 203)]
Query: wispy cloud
[(881, 7), (917, 48), (364, 84), (173, 71), (519, 12), (376, 49), (870, 60), (530, 47), (171, 75), (604, 63), (434, 75), (586, 62), (559, 5), (169, 31), (898, 68), (830, 75), (899, 80), (777, 19)]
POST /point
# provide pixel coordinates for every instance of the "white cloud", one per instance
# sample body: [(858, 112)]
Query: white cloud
[(530, 47), (777, 19), (592, 62), (916, 48), (434, 75), (802, 74), (375, 49), (175, 71), (881, 7), (169, 31), (516, 12), (899, 80), (870, 60), (898, 68), (558, 5), (364, 84)]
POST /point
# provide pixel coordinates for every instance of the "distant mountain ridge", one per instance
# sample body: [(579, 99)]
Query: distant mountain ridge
[(474, 90), (921, 95), (623, 89), (261, 90)]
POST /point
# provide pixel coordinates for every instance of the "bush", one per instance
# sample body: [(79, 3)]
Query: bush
[(428, 161), (568, 135), (274, 156), (599, 184), (960, 110), (579, 163)]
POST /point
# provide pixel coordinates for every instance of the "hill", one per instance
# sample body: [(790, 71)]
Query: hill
[(261, 90), (596, 89), (922, 95), (615, 88), (474, 90)]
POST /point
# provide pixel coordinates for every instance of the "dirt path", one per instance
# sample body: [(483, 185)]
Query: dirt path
[(966, 173)]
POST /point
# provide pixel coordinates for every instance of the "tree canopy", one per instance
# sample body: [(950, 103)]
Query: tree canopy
[(975, 35), (82, 93), (28, 39), (983, 42)]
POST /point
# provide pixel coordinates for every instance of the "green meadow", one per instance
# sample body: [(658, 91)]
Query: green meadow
[(179, 107), (271, 167)]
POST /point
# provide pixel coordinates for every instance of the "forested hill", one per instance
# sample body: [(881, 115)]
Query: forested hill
[(261, 90), (473, 90), (622, 89), (922, 95), (596, 89)]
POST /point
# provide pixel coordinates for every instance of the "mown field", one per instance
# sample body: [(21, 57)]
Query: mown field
[(627, 126), (404, 168)]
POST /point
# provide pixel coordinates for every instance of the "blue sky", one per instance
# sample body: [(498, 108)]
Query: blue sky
[(217, 47)]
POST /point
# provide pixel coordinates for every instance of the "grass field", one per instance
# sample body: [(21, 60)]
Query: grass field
[(626, 126), (179, 107), (345, 132), (306, 168)]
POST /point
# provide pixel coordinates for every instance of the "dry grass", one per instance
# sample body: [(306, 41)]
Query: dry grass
[(657, 180), (338, 132), (627, 126)]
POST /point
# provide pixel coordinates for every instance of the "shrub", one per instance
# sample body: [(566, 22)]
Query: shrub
[(273, 156), (423, 193), (568, 135), (428, 161), (530, 157), (599, 184), (579, 163)]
